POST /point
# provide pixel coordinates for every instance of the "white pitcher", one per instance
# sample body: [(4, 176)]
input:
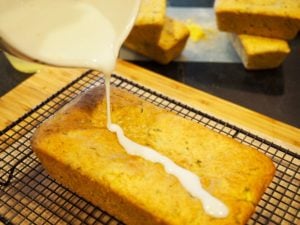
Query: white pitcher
[(75, 33)]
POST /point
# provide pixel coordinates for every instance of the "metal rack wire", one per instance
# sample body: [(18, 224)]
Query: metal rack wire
[(29, 196)]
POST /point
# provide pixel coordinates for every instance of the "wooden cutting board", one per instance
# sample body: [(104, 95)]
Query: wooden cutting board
[(49, 80)]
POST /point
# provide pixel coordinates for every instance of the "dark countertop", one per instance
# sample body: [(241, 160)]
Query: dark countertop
[(275, 93)]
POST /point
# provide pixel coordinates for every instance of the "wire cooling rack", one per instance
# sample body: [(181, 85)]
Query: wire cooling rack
[(29, 196)]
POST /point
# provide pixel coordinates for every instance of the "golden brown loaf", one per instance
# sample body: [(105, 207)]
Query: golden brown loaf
[(270, 18), (260, 52), (75, 148)]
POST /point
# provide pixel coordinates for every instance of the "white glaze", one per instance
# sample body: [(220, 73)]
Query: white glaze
[(84, 33), (189, 180)]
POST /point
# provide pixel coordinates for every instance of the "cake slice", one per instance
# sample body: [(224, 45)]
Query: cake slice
[(270, 18), (150, 21), (169, 45), (259, 53), (76, 149)]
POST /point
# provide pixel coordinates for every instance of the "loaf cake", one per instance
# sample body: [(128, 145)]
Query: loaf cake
[(271, 18), (169, 45), (76, 148), (258, 52)]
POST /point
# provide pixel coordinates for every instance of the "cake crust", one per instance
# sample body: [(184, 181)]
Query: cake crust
[(75, 148)]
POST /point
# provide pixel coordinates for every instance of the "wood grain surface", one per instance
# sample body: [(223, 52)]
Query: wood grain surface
[(49, 80)]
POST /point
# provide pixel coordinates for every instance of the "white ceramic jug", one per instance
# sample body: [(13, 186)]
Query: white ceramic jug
[(77, 33)]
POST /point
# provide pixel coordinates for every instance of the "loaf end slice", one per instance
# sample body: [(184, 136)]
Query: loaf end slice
[(169, 45), (259, 53), (149, 22)]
